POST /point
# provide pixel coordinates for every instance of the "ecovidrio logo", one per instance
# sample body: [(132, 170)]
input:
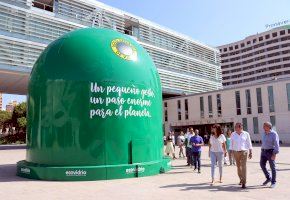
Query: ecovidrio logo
[(25, 170), (75, 173), (124, 49), (134, 170)]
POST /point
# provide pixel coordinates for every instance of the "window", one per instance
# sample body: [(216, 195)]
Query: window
[(248, 102), (236, 47), (274, 34), (201, 105), (219, 105), (288, 95), (243, 45), (165, 115), (259, 100), (273, 122), (249, 42), (256, 125), (238, 102), (179, 109), (260, 38), (209, 98), (165, 112), (42, 5), (135, 31), (186, 108), (254, 41), (245, 124), (267, 36), (271, 99), (282, 32)]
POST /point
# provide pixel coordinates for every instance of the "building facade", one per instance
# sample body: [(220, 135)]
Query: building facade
[(257, 58), (251, 105), (28, 26), (11, 105)]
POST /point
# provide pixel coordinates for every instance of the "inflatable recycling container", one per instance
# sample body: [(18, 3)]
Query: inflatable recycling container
[(94, 110)]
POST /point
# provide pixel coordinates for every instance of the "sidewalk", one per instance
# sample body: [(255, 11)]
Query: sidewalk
[(179, 183)]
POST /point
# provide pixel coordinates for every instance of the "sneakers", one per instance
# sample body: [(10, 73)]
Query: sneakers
[(266, 182), (244, 186), (273, 185)]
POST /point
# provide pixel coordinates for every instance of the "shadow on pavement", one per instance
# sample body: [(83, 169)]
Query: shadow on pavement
[(283, 169), (188, 167), (213, 188), (182, 172), (12, 147), (8, 174)]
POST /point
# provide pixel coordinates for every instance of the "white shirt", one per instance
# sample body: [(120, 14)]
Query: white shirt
[(217, 143), (241, 142)]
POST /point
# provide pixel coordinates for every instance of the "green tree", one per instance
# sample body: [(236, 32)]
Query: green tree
[(21, 122), (19, 116), (15, 119), (5, 117)]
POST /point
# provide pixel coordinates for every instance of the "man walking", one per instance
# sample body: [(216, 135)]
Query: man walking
[(241, 143), (188, 147), (270, 148), (196, 141)]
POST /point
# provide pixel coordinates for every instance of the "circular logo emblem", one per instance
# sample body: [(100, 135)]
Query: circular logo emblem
[(124, 49)]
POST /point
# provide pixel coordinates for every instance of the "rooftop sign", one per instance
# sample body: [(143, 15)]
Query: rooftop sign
[(277, 24)]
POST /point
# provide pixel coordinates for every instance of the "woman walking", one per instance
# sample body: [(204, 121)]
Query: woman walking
[(180, 143), (169, 145), (217, 151)]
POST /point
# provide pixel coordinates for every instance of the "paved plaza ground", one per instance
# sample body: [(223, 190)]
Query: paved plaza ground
[(180, 183)]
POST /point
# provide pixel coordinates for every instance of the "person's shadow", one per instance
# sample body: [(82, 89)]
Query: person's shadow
[(213, 188)]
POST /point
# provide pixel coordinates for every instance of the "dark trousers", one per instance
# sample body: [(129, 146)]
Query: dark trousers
[(266, 156), (196, 159), (189, 156)]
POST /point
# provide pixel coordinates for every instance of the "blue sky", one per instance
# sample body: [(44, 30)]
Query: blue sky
[(214, 22), (9, 97)]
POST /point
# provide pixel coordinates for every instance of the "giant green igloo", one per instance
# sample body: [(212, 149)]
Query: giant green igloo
[(94, 110)]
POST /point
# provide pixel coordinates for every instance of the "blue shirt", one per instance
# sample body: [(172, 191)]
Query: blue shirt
[(228, 142), (271, 141), (196, 140)]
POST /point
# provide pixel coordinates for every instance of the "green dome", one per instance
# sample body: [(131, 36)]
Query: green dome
[(94, 110)]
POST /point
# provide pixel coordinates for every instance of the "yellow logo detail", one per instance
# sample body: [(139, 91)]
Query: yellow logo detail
[(124, 49)]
